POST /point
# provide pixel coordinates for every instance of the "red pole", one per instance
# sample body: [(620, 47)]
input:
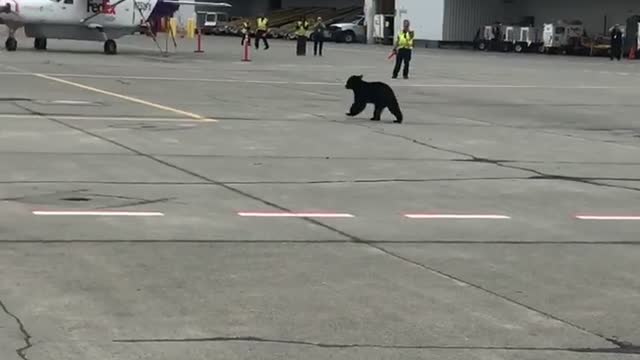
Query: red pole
[(199, 49)]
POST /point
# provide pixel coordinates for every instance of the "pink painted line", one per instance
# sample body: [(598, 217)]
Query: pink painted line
[(96, 213), (600, 217), (457, 216), (288, 214)]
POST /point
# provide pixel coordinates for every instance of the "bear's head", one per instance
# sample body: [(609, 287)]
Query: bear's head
[(353, 81)]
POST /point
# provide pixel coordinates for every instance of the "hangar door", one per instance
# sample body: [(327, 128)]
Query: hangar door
[(597, 15), (462, 18)]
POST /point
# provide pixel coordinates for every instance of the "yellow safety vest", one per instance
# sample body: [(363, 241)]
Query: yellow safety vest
[(262, 23), (301, 29), (405, 40)]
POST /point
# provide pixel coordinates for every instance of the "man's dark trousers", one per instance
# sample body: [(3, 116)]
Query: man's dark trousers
[(318, 42), (261, 34), (403, 56)]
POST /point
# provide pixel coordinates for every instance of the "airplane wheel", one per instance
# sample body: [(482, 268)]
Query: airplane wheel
[(110, 47), (11, 44), (40, 43)]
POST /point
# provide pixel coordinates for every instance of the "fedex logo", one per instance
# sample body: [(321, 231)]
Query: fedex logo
[(102, 7)]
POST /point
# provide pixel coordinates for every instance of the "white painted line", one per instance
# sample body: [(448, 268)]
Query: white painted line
[(72, 102), (124, 97), (96, 213), (596, 217), (456, 216), (286, 214), (97, 118)]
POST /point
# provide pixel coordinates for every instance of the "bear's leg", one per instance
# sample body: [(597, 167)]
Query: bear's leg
[(356, 108), (395, 110), (377, 112)]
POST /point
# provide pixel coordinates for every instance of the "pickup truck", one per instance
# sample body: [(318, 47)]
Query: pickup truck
[(349, 32)]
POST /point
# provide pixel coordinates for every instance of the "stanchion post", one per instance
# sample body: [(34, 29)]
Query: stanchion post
[(199, 49)]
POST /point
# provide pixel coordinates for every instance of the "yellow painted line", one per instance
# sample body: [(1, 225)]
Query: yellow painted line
[(99, 118), (124, 97)]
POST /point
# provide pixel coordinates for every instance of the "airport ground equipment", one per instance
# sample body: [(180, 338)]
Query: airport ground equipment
[(565, 37)]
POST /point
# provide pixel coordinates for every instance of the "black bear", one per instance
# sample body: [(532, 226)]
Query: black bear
[(377, 93)]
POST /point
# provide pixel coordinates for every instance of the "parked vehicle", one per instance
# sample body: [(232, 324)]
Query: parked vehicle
[(528, 39), (212, 22), (349, 32), (564, 37)]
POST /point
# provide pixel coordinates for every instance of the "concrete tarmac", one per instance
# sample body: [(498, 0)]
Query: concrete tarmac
[(195, 206)]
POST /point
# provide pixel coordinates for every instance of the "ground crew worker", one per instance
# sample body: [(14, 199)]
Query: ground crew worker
[(245, 30), (616, 43), (403, 49), (301, 32), (318, 36), (261, 32), (496, 30)]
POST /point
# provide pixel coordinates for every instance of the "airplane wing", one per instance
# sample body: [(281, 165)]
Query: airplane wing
[(203, 3)]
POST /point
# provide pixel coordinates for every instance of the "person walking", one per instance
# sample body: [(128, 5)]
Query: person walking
[(301, 33), (318, 36), (262, 25), (616, 43), (403, 49)]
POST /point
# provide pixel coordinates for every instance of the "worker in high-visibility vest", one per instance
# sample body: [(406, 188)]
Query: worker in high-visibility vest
[(262, 26), (302, 26), (403, 49)]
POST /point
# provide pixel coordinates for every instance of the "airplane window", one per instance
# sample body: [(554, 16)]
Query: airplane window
[(68, 1)]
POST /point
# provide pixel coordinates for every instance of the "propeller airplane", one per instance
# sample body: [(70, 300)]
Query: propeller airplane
[(87, 20)]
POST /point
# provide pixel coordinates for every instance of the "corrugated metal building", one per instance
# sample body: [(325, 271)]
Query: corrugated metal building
[(254, 7), (458, 20)]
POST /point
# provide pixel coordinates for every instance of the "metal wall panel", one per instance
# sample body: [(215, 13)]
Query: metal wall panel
[(322, 3), (462, 18), (425, 15)]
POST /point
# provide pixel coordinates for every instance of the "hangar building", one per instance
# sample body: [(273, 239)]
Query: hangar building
[(458, 20)]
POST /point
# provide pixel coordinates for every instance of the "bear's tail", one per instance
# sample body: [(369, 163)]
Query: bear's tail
[(394, 108)]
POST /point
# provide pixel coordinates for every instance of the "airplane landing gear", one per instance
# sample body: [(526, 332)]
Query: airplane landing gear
[(110, 47), (40, 43), (11, 44)]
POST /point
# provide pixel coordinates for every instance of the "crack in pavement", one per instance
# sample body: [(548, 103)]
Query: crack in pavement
[(138, 203), (60, 192), (353, 238), (473, 158), (312, 182), (626, 349), (503, 164), (189, 172), (312, 157), (25, 334)]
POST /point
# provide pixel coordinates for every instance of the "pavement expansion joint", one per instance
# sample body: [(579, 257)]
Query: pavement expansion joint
[(615, 350)]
